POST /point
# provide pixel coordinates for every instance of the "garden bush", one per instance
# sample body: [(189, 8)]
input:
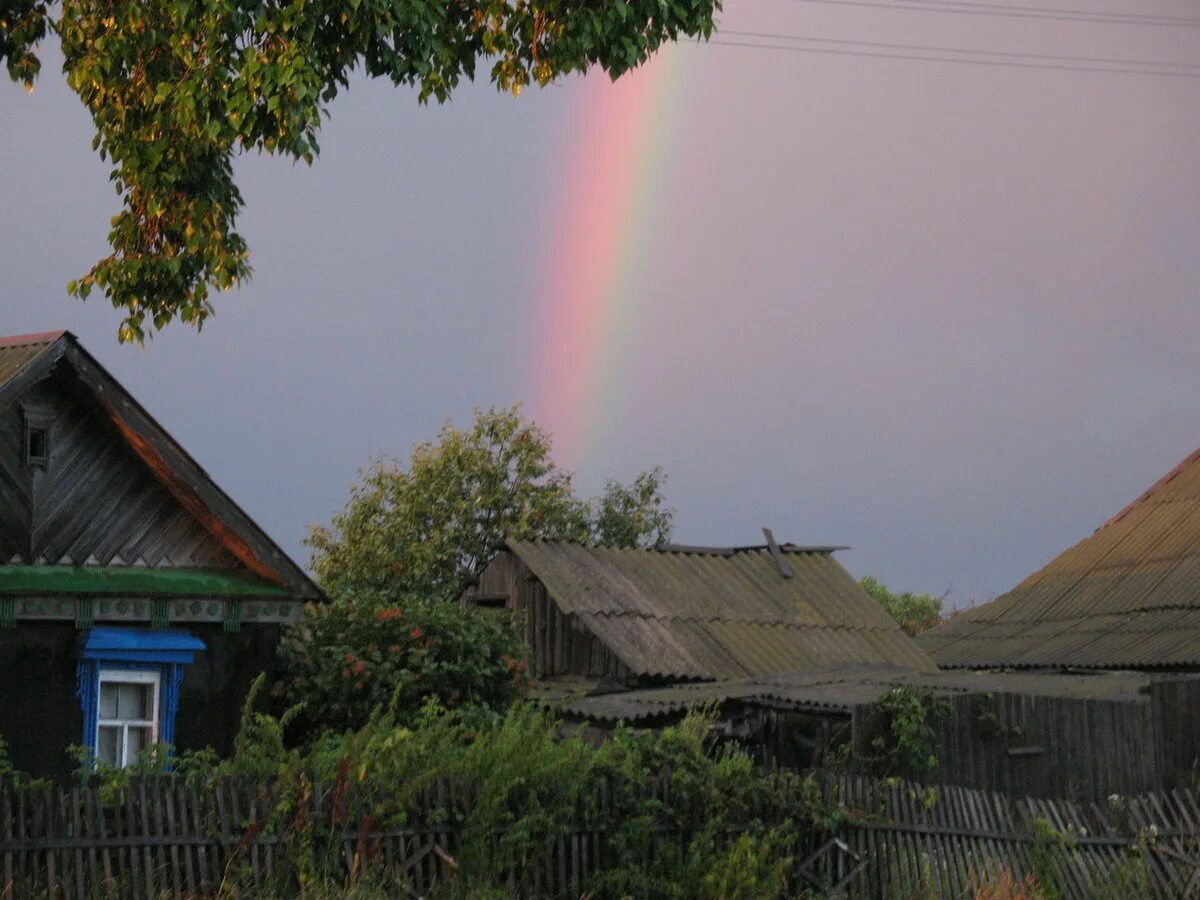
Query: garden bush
[(358, 654)]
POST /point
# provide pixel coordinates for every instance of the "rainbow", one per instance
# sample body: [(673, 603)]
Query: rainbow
[(598, 247)]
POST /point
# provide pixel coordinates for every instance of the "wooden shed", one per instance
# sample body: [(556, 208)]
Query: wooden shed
[(137, 600), (1026, 734), (633, 616)]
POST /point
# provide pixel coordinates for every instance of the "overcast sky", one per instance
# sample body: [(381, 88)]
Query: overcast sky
[(947, 314)]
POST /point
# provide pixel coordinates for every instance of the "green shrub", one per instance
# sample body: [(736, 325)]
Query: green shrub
[(356, 655), (910, 721), (914, 613)]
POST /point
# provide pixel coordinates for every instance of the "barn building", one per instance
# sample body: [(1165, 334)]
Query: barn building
[(137, 600)]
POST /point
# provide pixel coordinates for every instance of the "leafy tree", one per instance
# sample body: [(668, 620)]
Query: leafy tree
[(429, 529), (632, 515), (357, 655), (177, 88), (914, 613)]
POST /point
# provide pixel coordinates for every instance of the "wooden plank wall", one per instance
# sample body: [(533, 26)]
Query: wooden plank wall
[(161, 838), (1175, 701), (1043, 746), (556, 644), (94, 500), (16, 487)]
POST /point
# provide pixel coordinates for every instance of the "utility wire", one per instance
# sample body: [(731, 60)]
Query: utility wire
[(1132, 18), (1104, 18), (829, 51), (1104, 60)]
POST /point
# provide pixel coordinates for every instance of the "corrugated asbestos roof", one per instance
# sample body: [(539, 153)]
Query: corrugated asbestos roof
[(841, 690), (1128, 596), (690, 613), (19, 351)]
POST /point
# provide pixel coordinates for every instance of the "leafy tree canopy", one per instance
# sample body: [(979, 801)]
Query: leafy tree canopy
[(178, 87), (914, 613), (430, 528)]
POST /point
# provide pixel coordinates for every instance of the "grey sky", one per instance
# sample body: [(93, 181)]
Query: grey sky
[(946, 314)]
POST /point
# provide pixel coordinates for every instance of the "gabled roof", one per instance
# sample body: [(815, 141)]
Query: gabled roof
[(719, 613), (1128, 596), (27, 359)]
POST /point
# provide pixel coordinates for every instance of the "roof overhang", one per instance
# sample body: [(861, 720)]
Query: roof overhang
[(134, 582)]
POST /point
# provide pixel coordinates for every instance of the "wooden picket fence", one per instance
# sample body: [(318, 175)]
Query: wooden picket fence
[(162, 838)]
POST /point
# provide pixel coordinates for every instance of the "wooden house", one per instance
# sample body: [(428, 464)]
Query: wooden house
[(137, 601), (1126, 597)]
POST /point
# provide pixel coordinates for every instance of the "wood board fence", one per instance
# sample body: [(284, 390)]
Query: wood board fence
[(162, 838)]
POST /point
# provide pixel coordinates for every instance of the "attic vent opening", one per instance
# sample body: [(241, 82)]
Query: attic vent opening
[(37, 444)]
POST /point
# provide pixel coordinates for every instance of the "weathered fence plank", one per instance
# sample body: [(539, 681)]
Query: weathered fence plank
[(159, 837)]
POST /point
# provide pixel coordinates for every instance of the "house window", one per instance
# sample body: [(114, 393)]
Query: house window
[(127, 715), (129, 686)]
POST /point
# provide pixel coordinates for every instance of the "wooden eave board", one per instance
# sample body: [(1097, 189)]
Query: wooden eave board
[(133, 582)]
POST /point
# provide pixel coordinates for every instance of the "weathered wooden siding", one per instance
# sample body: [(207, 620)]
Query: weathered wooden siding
[(556, 644), (1175, 701), (1041, 746), (95, 501), (16, 488)]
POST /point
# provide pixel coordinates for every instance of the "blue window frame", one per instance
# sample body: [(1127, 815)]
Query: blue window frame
[(129, 688)]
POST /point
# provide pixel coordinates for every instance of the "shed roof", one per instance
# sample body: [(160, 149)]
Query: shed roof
[(719, 612), (840, 690), (27, 359), (1128, 596)]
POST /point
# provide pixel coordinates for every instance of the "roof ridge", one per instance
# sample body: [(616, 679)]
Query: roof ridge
[(688, 549), (38, 337)]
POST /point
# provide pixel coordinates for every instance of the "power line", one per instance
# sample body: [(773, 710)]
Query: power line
[(1132, 18), (829, 51), (1104, 60), (1103, 18)]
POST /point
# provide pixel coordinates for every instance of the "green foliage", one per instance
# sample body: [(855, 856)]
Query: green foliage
[(177, 88), (260, 749), (1128, 878), (360, 654), (914, 613), (631, 515), (529, 779), (1047, 857), (429, 529), (911, 721)]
